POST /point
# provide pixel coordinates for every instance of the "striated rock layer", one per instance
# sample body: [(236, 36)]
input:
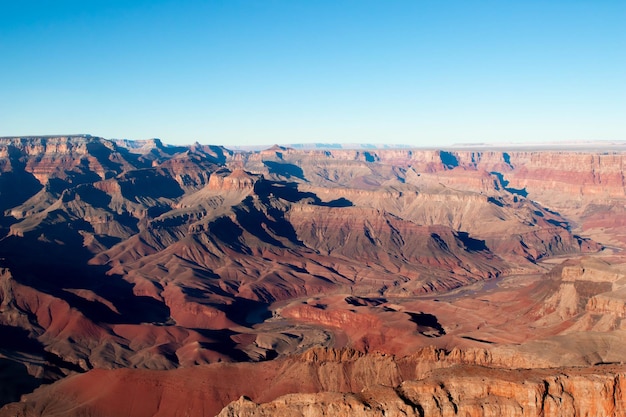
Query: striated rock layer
[(335, 382), (463, 391)]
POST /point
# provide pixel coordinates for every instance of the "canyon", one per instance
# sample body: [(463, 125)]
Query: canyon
[(143, 279)]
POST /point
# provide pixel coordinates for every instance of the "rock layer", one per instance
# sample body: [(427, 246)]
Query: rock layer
[(463, 391)]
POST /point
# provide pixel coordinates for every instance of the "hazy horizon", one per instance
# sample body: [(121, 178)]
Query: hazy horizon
[(240, 73)]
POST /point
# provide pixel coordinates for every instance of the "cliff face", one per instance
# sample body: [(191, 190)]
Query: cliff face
[(463, 391), (334, 382), (545, 176), (70, 158), (567, 180)]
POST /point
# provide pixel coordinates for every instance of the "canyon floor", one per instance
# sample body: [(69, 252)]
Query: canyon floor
[(141, 279)]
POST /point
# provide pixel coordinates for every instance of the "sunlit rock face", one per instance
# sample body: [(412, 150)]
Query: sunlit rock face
[(462, 391)]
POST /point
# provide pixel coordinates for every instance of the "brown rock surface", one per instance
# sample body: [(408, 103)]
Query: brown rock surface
[(464, 391), (143, 263), (342, 382)]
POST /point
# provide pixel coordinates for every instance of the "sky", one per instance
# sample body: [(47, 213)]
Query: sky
[(254, 72)]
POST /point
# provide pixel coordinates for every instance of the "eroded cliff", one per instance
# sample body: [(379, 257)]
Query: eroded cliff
[(144, 264)]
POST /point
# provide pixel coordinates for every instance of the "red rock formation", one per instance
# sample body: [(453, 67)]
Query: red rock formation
[(344, 381), (159, 257), (464, 392), (235, 181)]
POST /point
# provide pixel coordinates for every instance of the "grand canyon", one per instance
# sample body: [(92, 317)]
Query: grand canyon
[(142, 279)]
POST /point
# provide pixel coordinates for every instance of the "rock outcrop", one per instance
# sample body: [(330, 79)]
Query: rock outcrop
[(463, 391), (338, 382)]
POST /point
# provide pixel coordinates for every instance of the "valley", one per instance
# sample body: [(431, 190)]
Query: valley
[(142, 279)]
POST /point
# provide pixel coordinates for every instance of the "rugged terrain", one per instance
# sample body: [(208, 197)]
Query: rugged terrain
[(141, 279)]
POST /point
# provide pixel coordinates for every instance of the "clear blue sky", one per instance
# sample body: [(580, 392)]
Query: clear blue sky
[(233, 72)]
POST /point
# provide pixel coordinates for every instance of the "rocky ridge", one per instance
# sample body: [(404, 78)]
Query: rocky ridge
[(467, 391), (338, 382)]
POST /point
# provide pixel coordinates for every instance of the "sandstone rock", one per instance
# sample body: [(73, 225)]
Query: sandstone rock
[(463, 391)]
